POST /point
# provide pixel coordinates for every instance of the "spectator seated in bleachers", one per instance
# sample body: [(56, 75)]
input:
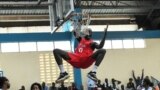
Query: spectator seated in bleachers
[(36, 86), (4, 83)]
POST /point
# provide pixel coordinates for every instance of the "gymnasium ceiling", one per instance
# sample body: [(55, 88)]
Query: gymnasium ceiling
[(35, 12)]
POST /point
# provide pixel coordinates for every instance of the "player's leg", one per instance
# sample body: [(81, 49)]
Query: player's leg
[(59, 55), (98, 57)]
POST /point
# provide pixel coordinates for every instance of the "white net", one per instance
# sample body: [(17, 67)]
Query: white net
[(80, 21)]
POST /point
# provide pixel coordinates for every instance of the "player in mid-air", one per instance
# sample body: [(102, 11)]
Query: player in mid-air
[(84, 55)]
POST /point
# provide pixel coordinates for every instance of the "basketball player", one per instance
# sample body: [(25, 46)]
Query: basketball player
[(84, 55)]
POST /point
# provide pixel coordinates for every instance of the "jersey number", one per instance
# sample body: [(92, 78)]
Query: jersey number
[(80, 50)]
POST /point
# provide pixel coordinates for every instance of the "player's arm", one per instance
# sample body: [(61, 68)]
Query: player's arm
[(142, 74), (77, 35), (133, 75), (99, 46)]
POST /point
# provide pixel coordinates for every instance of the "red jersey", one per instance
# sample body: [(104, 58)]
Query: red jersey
[(82, 56), (84, 48)]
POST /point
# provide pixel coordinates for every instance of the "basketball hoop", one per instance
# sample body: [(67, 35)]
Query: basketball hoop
[(80, 22)]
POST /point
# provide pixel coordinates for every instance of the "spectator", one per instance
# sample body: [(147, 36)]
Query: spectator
[(159, 85), (147, 85), (156, 87), (62, 86), (122, 87), (138, 80), (22, 87), (147, 77), (130, 84), (53, 87), (99, 85), (36, 86), (73, 87), (44, 87), (91, 84), (4, 83), (106, 84), (115, 84)]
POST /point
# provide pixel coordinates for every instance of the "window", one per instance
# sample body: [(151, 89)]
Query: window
[(65, 45), (49, 70), (45, 46), (127, 27), (117, 44), (27, 46), (139, 43), (43, 29), (128, 44), (3, 30), (97, 41), (9, 47), (17, 30), (108, 44)]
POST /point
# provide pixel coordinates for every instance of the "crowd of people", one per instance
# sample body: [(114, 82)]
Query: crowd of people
[(43, 86), (134, 83), (5, 85)]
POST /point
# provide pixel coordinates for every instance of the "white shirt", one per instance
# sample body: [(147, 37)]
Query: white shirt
[(149, 88)]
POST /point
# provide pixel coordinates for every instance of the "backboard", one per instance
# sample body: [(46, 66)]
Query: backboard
[(68, 7), (60, 10)]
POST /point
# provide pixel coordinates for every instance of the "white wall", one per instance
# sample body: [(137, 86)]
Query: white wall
[(118, 64), (34, 29), (20, 68), (23, 68), (127, 27)]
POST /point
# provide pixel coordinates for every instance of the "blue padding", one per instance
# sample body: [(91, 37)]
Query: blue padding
[(128, 34), (59, 36), (77, 72), (78, 78), (26, 37)]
